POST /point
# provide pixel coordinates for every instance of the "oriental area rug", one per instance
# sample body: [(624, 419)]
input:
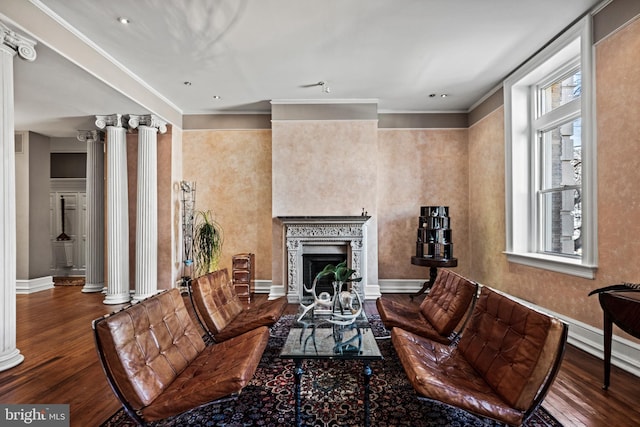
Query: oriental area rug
[(332, 395)]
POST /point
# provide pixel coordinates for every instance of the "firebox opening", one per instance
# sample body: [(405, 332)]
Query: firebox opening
[(313, 264)]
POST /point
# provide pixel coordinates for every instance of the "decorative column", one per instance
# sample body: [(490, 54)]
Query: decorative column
[(10, 44), (117, 210), (94, 281), (147, 204)]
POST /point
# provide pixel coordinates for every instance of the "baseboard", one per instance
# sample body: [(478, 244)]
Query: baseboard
[(30, 286), (400, 286), (262, 286)]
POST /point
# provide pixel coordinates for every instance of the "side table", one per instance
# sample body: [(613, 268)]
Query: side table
[(433, 264), (623, 309)]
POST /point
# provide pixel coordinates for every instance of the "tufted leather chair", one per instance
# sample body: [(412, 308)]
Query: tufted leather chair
[(222, 312), (503, 366), (441, 311), (158, 365)]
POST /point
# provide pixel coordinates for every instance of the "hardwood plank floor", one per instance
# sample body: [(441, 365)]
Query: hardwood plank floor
[(61, 366)]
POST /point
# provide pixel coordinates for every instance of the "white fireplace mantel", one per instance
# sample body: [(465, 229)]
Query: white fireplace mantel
[(309, 234)]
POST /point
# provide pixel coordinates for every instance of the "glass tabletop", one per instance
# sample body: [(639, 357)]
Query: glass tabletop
[(330, 333)]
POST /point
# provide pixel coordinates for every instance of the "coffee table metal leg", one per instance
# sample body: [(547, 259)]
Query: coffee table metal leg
[(298, 371), (367, 377)]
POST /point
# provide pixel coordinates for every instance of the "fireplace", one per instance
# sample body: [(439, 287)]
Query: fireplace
[(330, 237), (312, 264)]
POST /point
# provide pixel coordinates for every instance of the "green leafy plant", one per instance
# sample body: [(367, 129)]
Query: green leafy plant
[(208, 239), (340, 273)]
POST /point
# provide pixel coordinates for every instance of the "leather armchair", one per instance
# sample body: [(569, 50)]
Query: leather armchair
[(502, 368), (158, 364), (442, 310), (222, 312)]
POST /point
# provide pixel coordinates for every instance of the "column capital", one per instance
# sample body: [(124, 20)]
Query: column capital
[(90, 135), (150, 120), (23, 46), (109, 120)]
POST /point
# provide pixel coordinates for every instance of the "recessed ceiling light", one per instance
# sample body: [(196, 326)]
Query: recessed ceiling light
[(124, 20), (216, 96), (444, 95), (432, 95), (187, 83)]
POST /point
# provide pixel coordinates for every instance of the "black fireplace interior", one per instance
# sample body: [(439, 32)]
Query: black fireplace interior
[(313, 264)]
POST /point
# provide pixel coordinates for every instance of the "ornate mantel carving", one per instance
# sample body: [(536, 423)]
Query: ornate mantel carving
[(329, 231)]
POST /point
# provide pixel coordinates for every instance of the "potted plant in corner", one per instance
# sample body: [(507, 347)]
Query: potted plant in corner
[(207, 242)]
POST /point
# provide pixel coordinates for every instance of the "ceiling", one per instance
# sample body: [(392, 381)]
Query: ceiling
[(249, 52)]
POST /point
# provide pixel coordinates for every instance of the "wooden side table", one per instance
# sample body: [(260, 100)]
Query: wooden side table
[(623, 309), (433, 264)]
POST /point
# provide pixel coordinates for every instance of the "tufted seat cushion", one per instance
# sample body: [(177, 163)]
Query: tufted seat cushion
[(441, 311), (503, 366), (159, 364), (223, 313)]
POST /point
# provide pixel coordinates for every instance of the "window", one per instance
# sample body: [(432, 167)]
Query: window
[(551, 157)]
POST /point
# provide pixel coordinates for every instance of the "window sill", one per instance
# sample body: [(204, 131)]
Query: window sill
[(557, 264)]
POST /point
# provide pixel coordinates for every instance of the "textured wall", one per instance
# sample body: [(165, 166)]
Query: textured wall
[(322, 168), (420, 168), (390, 173), (618, 130), (232, 170)]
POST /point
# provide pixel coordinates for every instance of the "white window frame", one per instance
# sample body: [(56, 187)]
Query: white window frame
[(522, 244)]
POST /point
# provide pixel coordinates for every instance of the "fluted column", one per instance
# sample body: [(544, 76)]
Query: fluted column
[(10, 44), (117, 210), (94, 280), (147, 204)]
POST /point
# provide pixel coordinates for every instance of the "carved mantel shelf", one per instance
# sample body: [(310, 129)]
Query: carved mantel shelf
[(305, 232), (359, 219)]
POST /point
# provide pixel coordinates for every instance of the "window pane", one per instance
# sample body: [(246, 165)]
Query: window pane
[(561, 156), (562, 222), (561, 91)]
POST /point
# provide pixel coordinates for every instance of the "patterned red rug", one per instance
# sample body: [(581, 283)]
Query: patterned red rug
[(331, 396)]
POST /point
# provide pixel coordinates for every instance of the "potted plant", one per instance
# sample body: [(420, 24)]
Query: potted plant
[(207, 242), (340, 272), (341, 275)]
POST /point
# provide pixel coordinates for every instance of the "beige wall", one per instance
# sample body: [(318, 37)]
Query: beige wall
[(232, 170), (618, 135), (390, 173), (324, 167), (419, 168)]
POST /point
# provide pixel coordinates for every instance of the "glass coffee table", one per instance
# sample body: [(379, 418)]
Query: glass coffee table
[(330, 335)]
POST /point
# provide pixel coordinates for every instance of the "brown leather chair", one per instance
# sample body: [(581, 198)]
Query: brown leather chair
[(503, 366), (222, 312), (441, 311), (158, 364)]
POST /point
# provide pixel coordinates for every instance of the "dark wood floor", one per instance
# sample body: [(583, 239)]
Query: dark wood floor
[(61, 366)]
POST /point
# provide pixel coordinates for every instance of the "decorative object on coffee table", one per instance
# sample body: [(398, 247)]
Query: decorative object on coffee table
[(341, 299), (434, 246)]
